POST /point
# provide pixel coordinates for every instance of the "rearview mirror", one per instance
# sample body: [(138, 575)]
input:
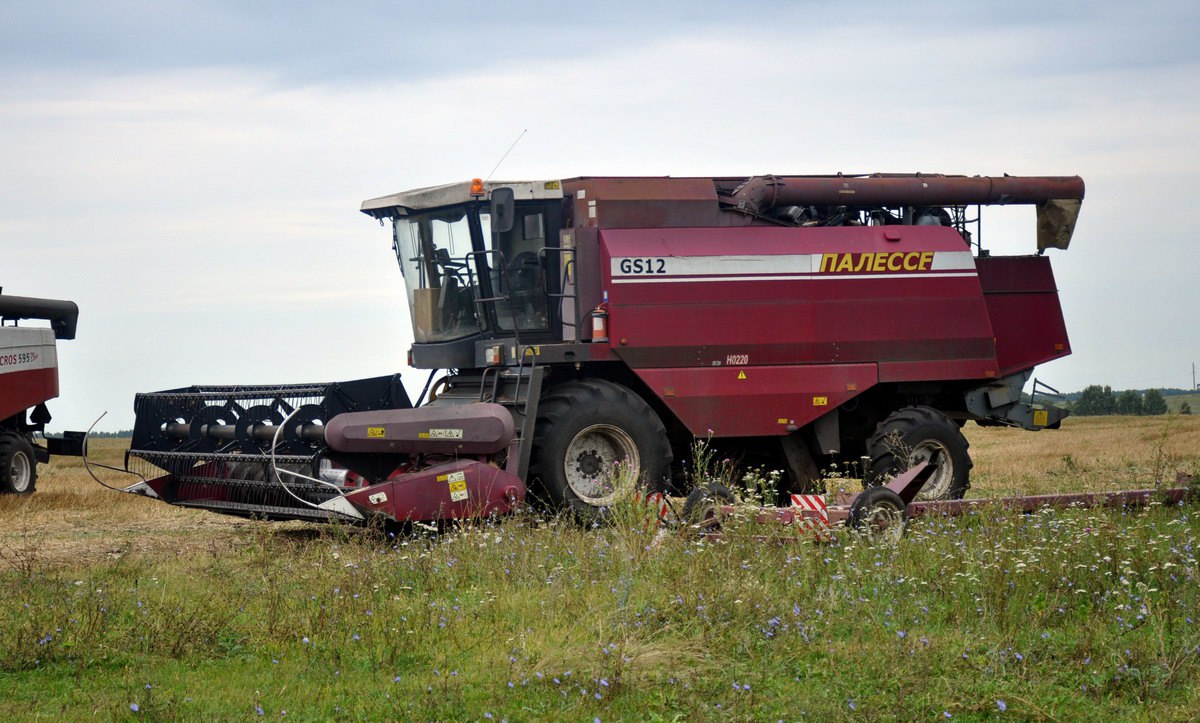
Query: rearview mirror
[(503, 208)]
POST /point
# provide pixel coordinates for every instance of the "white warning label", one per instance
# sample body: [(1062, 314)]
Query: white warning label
[(458, 486)]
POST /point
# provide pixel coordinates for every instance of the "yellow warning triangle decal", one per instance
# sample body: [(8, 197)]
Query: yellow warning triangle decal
[(742, 375)]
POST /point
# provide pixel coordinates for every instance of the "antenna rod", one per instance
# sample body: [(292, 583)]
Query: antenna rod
[(514, 145)]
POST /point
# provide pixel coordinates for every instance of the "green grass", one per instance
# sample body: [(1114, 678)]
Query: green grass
[(1059, 615), (1176, 400)]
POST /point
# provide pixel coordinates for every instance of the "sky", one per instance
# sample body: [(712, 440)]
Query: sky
[(190, 172)]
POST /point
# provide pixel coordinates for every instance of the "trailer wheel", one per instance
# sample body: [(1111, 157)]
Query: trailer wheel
[(586, 433), (917, 434), (18, 466), (701, 509), (878, 513)]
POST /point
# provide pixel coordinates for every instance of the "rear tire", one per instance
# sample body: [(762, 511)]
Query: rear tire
[(18, 466), (585, 432), (913, 435)]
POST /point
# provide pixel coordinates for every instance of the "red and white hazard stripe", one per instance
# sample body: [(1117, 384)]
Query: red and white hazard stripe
[(818, 526), (657, 502)]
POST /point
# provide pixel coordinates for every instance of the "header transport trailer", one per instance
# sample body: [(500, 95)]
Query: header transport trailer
[(573, 327), (28, 379)]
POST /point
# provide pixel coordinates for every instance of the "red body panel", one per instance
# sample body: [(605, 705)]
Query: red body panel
[(756, 401), (27, 388), (860, 304), (455, 490), (28, 368), (1026, 316)]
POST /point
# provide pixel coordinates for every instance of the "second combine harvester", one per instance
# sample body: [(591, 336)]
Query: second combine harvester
[(586, 323)]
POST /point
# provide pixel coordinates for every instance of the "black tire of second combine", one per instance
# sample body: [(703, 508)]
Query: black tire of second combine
[(585, 430), (922, 431), (18, 466)]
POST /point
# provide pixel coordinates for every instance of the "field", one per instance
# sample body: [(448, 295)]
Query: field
[(120, 607), (1176, 400)]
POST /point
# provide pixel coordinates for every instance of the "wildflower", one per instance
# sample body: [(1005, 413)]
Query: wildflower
[(134, 707), (1001, 705)]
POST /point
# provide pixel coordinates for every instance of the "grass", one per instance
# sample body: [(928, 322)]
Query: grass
[(112, 602), (1176, 400)]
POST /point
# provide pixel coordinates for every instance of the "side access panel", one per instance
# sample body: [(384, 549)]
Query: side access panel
[(730, 401)]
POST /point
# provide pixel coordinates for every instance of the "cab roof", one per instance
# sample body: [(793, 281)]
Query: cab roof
[(448, 194)]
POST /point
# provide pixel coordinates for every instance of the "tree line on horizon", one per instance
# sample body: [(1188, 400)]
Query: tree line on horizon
[(1097, 400)]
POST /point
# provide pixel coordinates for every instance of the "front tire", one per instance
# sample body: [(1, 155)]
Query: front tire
[(917, 434), (18, 466), (586, 434)]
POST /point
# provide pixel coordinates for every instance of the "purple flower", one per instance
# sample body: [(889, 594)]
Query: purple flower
[(258, 709), (901, 633), (1001, 705), (850, 705), (134, 707)]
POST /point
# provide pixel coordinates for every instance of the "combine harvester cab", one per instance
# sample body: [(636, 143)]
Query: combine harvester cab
[(28, 379), (574, 328)]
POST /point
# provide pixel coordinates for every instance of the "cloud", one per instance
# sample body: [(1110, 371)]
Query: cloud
[(201, 205)]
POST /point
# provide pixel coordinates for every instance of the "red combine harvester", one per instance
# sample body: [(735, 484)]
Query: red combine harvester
[(573, 326), (28, 379)]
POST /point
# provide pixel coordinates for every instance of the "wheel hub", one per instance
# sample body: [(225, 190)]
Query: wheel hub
[(601, 460), (589, 463), (19, 472), (884, 523), (938, 485)]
